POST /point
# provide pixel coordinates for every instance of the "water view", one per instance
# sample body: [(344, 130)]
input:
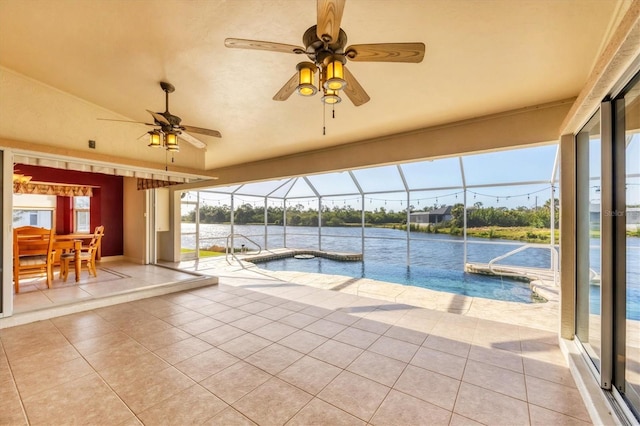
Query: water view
[(436, 260)]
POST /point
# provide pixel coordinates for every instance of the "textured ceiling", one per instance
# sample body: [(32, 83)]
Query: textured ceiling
[(482, 57)]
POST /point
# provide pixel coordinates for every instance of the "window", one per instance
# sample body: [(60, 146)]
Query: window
[(81, 215), (42, 218)]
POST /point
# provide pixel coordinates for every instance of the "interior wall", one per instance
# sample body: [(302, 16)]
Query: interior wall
[(106, 203), (135, 221)]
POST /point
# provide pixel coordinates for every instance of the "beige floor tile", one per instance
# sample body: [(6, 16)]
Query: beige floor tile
[(497, 357), (119, 375), (490, 407), (556, 397), (200, 325), (551, 372), (46, 357), (309, 374), (163, 338), (298, 320), (273, 402), (235, 381), (203, 365), (274, 358), (87, 400), (356, 337), (245, 345), (451, 346), (145, 392), (394, 348), (303, 341), (377, 367), (274, 313), (429, 386), (230, 315), (101, 343), (543, 417), (402, 409), (372, 326), (406, 334), (274, 331), (496, 379), (51, 375), (11, 412), (439, 362), (229, 417), (220, 335), (251, 322), (255, 307), (118, 355), (319, 413), (184, 349), (342, 318), (336, 353), (458, 420), (193, 405), (212, 309), (325, 328), (355, 394)]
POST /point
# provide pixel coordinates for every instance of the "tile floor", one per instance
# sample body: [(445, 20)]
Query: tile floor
[(256, 350)]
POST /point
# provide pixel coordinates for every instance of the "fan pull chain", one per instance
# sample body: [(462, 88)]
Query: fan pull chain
[(333, 111), (324, 113)]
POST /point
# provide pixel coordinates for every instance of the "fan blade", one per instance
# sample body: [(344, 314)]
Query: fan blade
[(386, 52), (201, 131), (159, 118), (353, 90), (288, 88), (239, 43), (126, 121), (329, 17), (193, 141)]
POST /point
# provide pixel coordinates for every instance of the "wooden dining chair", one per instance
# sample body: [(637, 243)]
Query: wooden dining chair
[(32, 253), (87, 256)]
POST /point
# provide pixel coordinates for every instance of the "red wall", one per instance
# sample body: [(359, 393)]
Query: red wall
[(106, 202)]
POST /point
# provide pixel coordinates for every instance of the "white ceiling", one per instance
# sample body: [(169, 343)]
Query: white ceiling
[(482, 57)]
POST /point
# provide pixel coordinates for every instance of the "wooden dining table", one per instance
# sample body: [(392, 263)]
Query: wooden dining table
[(69, 244)]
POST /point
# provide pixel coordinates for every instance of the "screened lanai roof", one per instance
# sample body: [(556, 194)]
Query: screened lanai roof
[(510, 174)]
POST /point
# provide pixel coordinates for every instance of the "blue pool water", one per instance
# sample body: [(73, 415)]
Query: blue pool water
[(450, 281)]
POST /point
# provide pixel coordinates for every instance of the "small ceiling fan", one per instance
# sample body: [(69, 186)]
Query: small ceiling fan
[(324, 45), (170, 128)]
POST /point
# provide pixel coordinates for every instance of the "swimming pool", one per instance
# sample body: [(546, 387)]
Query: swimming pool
[(450, 281)]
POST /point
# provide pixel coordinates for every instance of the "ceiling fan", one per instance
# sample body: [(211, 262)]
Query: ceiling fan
[(324, 45), (170, 128)]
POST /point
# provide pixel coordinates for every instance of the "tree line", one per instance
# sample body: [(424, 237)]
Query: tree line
[(299, 215)]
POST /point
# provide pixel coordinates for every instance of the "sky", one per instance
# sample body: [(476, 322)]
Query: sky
[(511, 178), (431, 183)]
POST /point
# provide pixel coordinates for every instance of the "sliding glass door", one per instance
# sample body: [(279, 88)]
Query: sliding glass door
[(608, 244)]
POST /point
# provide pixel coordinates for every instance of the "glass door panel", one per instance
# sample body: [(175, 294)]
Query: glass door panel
[(588, 315), (632, 219)]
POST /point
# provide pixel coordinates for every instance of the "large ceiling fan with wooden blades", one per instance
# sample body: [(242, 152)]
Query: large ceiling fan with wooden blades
[(325, 44), (169, 127)]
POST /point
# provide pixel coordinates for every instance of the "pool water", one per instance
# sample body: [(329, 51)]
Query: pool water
[(449, 281)]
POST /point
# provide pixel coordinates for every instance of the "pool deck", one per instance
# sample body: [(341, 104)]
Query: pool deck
[(536, 315)]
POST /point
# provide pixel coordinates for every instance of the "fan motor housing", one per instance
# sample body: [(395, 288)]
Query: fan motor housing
[(316, 49)]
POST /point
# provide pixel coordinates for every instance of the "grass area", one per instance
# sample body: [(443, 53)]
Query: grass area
[(527, 234), (203, 253)]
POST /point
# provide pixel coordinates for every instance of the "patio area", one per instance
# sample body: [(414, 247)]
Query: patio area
[(256, 349)]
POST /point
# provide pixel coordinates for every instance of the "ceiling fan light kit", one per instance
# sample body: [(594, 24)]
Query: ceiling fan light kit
[(325, 44), (169, 129), (306, 73)]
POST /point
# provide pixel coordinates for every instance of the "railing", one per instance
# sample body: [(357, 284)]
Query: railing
[(554, 258), (230, 249)]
